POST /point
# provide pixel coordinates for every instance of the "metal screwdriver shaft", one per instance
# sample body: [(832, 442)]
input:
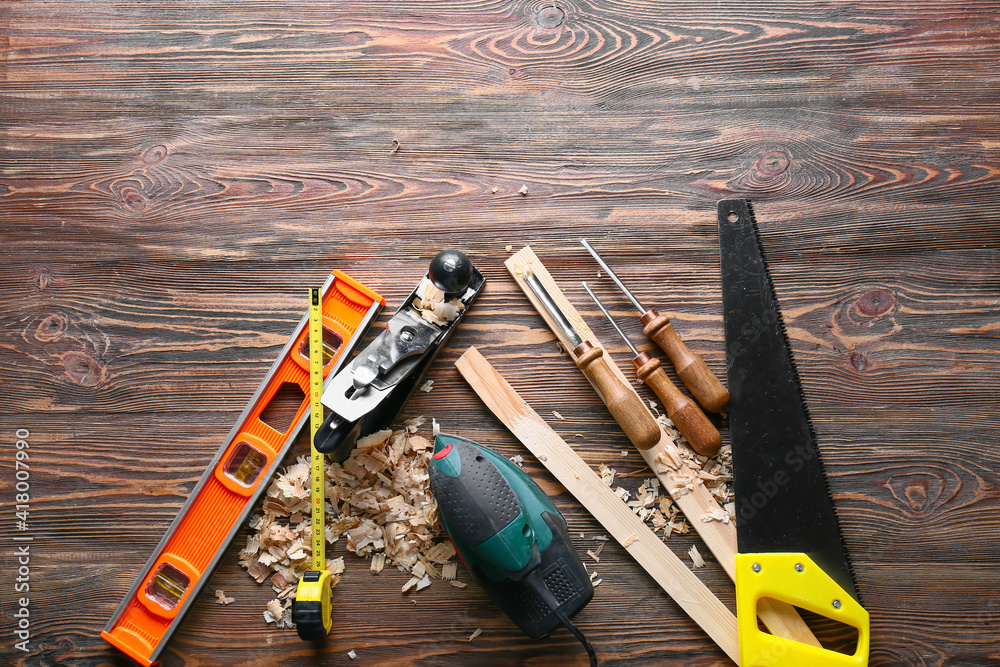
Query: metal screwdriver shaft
[(610, 319), (613, 276)]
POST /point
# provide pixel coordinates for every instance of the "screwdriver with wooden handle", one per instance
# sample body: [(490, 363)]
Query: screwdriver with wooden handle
[(623, 403), (691, 369), (700, 433)]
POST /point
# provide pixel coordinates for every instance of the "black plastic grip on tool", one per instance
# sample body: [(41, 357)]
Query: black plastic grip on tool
[(337, 436), (479, 503), (563, 575), (307, 615)]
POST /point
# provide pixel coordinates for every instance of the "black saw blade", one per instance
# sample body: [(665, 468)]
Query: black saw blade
[(783, 503)]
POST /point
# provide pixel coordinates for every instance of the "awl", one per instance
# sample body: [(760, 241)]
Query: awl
[(691, 369)]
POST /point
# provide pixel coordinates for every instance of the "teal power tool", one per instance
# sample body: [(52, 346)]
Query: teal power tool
[(511, 537)]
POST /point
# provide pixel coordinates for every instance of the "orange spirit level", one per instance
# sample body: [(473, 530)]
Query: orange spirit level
[(220, 504)]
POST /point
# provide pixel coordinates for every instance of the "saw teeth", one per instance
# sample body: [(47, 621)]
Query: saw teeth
[(798, 386)]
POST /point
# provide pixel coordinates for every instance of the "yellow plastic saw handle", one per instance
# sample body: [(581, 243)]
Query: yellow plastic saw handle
[(795, 579)]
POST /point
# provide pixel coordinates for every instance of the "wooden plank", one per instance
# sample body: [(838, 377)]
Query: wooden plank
[(683, 485), (669, 572), (159, 158)]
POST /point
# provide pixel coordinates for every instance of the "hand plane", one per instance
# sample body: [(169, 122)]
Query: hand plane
[(370, 392), (511, 537)]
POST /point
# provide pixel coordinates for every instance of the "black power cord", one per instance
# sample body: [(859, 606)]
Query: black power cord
[(537, 583)]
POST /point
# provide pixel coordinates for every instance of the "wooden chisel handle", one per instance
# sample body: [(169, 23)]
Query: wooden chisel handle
[(623, 403), (691, 369), (683, 412)]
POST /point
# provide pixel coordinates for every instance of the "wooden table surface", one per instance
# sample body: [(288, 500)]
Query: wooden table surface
[(173, 175)]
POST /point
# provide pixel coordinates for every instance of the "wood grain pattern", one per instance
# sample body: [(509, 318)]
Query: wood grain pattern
[(172, 175)]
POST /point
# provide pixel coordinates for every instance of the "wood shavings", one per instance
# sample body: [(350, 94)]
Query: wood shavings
[(458, 584), (352, 654), (336, 566), (419, 444), (597, 559), (378, 563), (432, 307), (495, 190), (630, 540), (716, 515), (558, 416), (517, 460), (696, 558), (220, 597), (600, 538), (379, 499), (624, 453), (523, 191), (449, 571), (278, 613), (427, 386), (371, 441), (509, 248), (442, 552), (475, 634), (607, 475), (435, 428), (598, 583)]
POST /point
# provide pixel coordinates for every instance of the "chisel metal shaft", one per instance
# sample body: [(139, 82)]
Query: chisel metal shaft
[(691, 369), (700, 433)]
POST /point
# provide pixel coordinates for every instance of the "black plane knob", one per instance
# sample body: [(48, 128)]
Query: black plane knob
[(451, 271)]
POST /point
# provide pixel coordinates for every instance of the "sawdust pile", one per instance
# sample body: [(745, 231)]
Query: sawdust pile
[(656, 507), (378, 501)]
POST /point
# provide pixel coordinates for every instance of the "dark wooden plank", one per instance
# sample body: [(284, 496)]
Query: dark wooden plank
[(171, 175)]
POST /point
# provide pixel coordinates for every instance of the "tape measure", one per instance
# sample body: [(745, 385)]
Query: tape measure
[(311, 611)]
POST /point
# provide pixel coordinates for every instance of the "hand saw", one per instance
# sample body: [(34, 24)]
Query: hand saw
[(222, 500), (790, 545), (369, 394)]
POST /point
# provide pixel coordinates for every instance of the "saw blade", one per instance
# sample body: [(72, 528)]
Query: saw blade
[(783, 501)]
